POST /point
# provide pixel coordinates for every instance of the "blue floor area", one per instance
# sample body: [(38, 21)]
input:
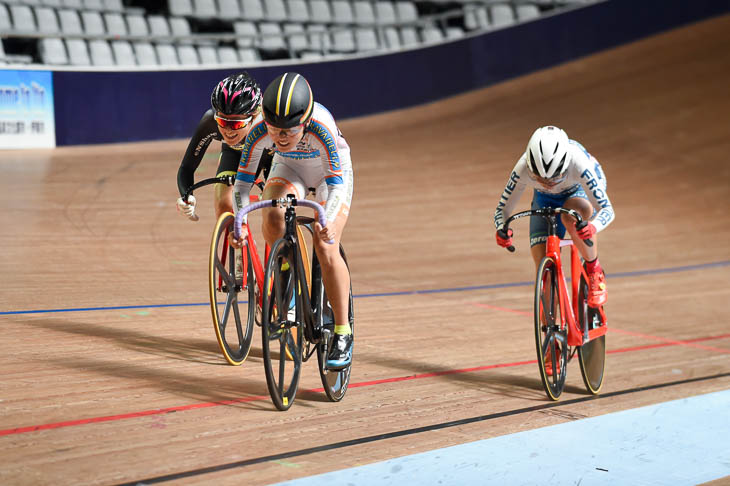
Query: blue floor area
[(682, 442)]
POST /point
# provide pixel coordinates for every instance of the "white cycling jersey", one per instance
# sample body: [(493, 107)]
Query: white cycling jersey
[(320, 159), (583, 170)]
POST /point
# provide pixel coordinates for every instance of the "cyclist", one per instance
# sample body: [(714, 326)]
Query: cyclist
[(310, 155), (562, 174), (235, 101)]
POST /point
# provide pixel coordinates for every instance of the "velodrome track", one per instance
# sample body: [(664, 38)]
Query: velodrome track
[(111, 372)]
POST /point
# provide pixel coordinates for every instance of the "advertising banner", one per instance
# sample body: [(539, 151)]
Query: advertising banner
[(26, 109)]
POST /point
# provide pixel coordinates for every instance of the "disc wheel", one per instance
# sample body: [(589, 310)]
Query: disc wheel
[(334, 381), (232, 304), (592, 355), (282, 351), (550, 339)]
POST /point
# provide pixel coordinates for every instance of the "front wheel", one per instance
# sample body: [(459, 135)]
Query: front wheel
[(592, 355), (279, 328), (550, 340), (233, 293)]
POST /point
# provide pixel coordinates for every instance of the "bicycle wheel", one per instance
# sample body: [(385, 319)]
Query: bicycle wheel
[(232, 304), (282, 351), (592, 355), (550, 339), (334, 381)]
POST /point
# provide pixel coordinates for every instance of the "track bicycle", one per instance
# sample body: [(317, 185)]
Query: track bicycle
[(233, 273), (564, 323), (297, 319)]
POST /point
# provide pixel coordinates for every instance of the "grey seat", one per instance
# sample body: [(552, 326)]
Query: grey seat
[(227, 55), (50, 3), (271, 38), (343, 41), (179, 26), (101, 53), (47, 20), (298, 11), (502, 15), (208, 55), (253, 10), (123, 53), (180, 8), (229, 9), (137, 25), (93, 23), (342, 12), (406, 11), (115, 25), (77, 4), (275, 11), (78, 52), (113, 5), (476, 18), (363, 12), (431, 34), (409, 36), (188, 55), (205, 8), (53, 51), (5, 24), (145, 53), (93, 5), (23, 20), (391, 38), (159, 27), (319, 40), (366, 39), (527, 11), (320, 11), (454, 32), (297, 42), (70, 22), (247, 32), (249, 55), (385, 13), (167, 54)]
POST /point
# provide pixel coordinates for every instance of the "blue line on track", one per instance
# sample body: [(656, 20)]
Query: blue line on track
[(637, 273)]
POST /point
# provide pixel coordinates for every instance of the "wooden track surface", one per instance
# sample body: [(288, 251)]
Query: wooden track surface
[(88, 396)]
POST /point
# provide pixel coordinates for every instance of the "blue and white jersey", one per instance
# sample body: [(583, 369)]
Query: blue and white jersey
[(322, 152), (583, 170)]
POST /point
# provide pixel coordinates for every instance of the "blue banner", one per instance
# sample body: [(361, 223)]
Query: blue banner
[(26, 109)]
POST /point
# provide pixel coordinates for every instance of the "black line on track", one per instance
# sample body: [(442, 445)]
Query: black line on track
[(416, 430)]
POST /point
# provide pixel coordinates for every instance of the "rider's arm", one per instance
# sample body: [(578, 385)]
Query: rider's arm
[(205, 132), (511, 194), (335, 153), (251, 154), (593, 181)]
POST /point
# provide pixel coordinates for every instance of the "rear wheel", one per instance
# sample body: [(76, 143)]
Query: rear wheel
[(233, 293), (550, 339), (334, 381), (592, 355), (282, 351)]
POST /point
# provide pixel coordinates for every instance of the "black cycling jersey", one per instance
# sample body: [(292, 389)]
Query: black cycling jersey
[(206, 132)]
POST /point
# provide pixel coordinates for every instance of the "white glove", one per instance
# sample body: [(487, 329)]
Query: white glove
[(188, 209)]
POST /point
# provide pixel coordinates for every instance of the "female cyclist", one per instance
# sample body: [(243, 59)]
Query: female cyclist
[(310, 155)]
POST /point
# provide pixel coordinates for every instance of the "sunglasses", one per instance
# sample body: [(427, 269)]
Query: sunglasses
[(232, 124), (287, 132)]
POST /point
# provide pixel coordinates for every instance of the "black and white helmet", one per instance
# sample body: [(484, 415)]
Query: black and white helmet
[(547, 152)]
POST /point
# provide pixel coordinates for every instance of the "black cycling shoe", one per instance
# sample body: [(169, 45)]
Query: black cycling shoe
[(340, 354)]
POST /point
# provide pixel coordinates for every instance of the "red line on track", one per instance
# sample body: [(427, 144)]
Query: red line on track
[(196, 406)]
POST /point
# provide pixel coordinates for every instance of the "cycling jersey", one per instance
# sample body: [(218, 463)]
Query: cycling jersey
[(583, 171), (205, 133), (321, 161)]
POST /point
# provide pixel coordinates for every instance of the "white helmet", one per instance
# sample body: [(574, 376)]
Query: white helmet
[(547, 152)]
